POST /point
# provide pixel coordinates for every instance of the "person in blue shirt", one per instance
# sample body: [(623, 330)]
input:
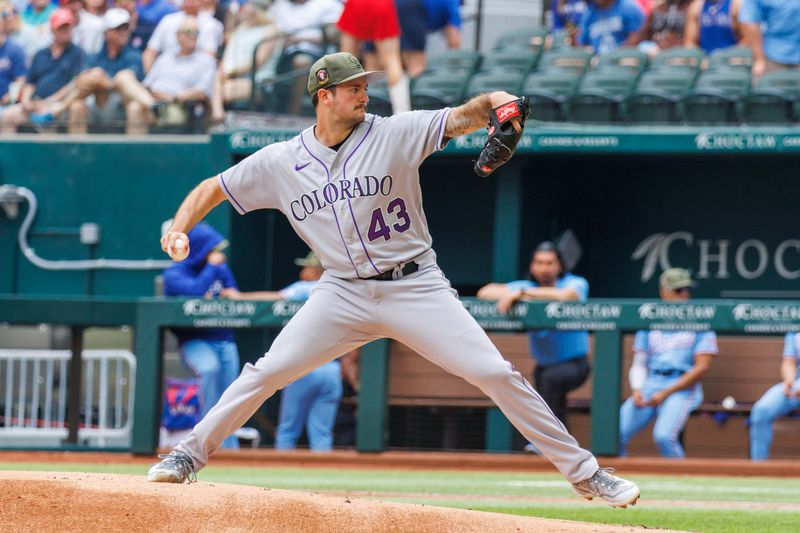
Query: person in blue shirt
[(561, 356), (108, 91), (12, 65), (665, 375), (210, 353), (772, 29), (312, 401), (713, 24), (779, 400), (606, 24), (51, 71), (150, 13)]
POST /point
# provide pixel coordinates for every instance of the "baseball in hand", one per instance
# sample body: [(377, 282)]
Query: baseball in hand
[(179, 250), (728, 402)]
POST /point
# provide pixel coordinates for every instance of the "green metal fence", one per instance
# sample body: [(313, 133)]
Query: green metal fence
[(608, 319)]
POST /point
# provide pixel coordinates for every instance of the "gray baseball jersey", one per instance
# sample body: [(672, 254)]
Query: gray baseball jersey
[(359, 208)]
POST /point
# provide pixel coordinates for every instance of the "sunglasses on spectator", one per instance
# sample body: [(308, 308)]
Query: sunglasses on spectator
[(681, 290), (123, 27), (8, 14), (189, 32)]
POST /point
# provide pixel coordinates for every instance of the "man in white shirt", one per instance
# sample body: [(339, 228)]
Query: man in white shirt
[(165, 38)]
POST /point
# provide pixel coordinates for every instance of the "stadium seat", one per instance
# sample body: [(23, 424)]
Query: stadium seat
[(454, 61), (379, 103), (740, 57), (716, 95), (657, 97), (549, 92), (774, 99), (437, 89), (601, 95), (679, 57), (630, 58), (510, 59), (484, 82), (569, 58), (532, 38)]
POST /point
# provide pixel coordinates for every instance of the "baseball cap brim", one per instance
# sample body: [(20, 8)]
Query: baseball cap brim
[(372, 76)]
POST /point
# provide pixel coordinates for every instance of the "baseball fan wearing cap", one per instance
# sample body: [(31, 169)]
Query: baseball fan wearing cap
[(311, 402), (350, 187), (665, 375), (51, 72)]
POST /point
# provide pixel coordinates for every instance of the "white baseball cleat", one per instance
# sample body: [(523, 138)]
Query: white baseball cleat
[(175, 467), (617, 492)]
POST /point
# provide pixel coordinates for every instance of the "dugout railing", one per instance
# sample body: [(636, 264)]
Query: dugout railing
[(608, 319)]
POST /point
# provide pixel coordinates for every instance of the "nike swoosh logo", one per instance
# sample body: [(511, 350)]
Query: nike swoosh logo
[(301, 167)]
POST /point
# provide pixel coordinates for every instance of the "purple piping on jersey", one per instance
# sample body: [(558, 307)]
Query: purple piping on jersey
[(242, 210), (441, 130), (352, 214), (327, 173)]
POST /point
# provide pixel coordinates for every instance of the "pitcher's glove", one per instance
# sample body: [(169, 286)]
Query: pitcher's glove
[(506, 123)]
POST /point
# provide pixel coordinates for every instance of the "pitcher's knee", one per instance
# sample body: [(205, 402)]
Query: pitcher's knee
[(493, 374)]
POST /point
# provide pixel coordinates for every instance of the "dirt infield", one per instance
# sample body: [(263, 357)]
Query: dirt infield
[(50, 502)]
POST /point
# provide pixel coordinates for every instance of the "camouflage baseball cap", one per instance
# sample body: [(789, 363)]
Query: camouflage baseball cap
[(311, 260), (340, 67), (675, 278)]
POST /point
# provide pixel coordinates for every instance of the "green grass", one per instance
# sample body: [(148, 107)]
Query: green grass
[(514, 493)]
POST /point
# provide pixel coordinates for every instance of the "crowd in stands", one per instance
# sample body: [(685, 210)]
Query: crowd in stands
[(145, 65)]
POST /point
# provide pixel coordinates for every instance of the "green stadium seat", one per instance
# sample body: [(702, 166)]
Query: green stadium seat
[(485, 82), (631, 58), (601, 95), (454, 61), (549, 92), (774, 99), (715, 97), (434, 90), (510, 59), (532, 38), (379, 103), (679, 56), (576, 59), (559, 39), (657, 97), (739, 57)]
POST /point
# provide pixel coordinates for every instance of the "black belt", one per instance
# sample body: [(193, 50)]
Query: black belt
[(389, 275), (668, 372)]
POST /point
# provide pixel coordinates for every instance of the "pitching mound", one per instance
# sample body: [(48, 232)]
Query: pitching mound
[(54, 501)]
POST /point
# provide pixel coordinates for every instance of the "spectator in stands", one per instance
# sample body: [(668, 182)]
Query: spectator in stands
[(566, 16), (663, 28), (713, 24), (312, 401), (665, 375), (88, 32), (210, 353), (561, 356), (12, 66), (254, 30), (112, 81), (179, 78), (772, 29), (148, 14), (302, 22), (376, 21), (418, 18), (606, 24), (778, 401), (165, 36), (33, 32), (51, 73)]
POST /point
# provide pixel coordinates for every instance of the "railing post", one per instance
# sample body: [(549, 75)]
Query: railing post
[(74, 380), (373, 397), (147, 400), (606, 392)]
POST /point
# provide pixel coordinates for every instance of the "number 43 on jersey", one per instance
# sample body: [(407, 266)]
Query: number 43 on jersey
[(378, 227)]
